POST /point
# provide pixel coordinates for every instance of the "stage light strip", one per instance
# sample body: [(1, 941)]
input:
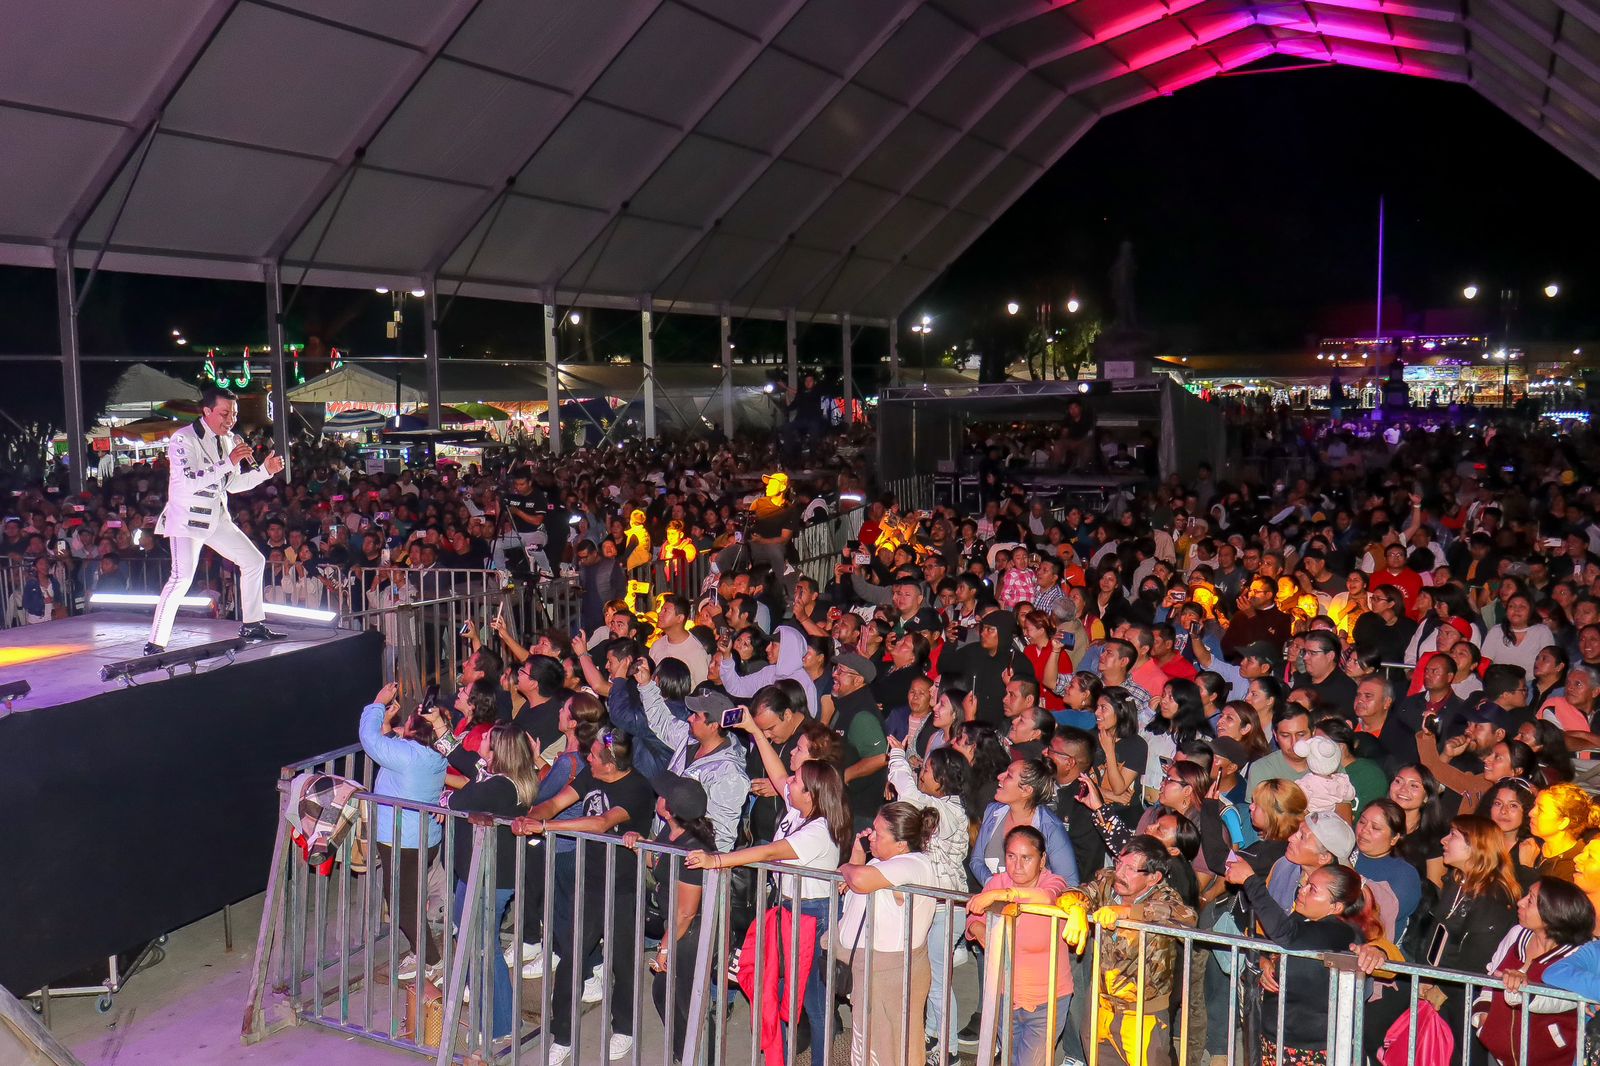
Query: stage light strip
[(143, 599), (306, 613)]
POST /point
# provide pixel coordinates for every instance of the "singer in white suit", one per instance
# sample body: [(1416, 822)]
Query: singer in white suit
[(205, 462)]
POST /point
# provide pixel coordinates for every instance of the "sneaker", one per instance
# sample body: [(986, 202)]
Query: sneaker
[(593, 992), (621, 1044), (536, 968), (530, 956), (559, 1053), (968, 1036), (407, 969)]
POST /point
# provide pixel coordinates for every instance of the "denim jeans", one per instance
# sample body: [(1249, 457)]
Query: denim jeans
[(500, 974), (1031, 1043), (815, 996), (939, 947)]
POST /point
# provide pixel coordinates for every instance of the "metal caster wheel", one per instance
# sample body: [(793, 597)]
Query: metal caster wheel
[(103, 1005), (36, 1005)]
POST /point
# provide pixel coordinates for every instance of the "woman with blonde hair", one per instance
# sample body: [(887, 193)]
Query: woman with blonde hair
[(1277, 807), (507, 791)]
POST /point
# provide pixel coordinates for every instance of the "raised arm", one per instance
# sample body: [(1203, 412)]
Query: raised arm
[(662, 722)]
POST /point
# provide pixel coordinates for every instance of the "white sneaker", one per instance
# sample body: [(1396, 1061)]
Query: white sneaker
[(593, 992), (537, 968), (621, 1044), (407, 970), (531, 958), (559, 1053)]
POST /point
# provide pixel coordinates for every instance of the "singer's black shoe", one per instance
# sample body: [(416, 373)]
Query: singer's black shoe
[(153, 649), (257, 633)]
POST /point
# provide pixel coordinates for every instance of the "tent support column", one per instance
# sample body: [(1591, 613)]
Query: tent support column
[(725, 332), (71, 368), (430, 350), (894, 352), (280, 376), (552, 374), (849, 369), (791, 350), (648, 354)]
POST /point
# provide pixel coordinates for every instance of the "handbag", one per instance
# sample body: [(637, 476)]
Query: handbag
[(843, 971)]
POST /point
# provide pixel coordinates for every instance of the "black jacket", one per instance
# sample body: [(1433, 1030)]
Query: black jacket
[(1306, 1025), (983, 672)]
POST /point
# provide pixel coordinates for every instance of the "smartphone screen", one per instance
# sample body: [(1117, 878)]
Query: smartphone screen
[(732, 717)]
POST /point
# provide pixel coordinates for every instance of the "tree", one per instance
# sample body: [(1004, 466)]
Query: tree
[(1073, 345), (31, 413), (1037, 351)]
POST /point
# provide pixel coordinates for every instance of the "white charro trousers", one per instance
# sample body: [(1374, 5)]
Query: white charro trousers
[(232, 545)]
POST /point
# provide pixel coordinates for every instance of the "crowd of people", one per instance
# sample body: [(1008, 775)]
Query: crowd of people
[(1337, 711), (341, 537)]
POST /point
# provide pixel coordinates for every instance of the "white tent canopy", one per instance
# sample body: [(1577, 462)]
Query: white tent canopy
[(826, 156), (143, 384), (353, 384)]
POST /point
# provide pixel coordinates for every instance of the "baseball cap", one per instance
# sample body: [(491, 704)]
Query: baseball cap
[(1331, 831), (1460, 625), (852, 661), (1264, 650), (1231, 750), (685, 796), (1486, 712), (713, 702)]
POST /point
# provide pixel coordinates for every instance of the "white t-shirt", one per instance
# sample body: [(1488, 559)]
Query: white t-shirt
[(889, 915), (813, 847)]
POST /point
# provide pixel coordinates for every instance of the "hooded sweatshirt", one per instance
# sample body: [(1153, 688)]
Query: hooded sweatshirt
[(984, 672), (790, 664), (721, 773)]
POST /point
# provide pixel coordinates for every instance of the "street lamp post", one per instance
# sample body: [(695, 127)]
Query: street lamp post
[(1508, 305), (922, 329)]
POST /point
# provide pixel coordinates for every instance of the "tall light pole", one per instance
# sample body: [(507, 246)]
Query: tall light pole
[(1509, 301), (922, 328)]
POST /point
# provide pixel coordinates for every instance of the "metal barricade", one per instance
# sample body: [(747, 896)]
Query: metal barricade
[(1103, 1018), (328, 953)]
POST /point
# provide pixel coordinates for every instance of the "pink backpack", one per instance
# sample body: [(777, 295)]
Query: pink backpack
[(1436, 1044)]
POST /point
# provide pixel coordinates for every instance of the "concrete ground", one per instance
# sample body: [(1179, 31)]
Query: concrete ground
[(188, 1010)]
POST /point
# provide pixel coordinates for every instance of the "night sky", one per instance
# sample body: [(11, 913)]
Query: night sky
[(1252, 205), (1251, 202)]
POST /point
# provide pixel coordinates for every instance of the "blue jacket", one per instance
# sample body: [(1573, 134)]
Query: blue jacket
[(33, 595), (1579, 972), (406, 770), (1058, 856), (650, 754)]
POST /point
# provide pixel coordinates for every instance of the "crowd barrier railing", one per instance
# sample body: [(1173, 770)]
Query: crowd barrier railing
[(329, 949)]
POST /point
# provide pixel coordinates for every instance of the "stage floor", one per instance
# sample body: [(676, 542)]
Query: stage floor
[(62, 659)]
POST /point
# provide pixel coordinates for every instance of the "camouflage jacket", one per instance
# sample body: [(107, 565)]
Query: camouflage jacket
[(1119, 950)]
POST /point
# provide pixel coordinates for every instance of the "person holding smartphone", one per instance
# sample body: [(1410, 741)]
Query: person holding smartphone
[(702, 750)]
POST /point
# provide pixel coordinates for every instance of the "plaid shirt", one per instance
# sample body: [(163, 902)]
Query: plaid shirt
[(1047, 598)]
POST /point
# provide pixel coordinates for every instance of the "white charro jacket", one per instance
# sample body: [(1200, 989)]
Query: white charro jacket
[(198, 482)]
